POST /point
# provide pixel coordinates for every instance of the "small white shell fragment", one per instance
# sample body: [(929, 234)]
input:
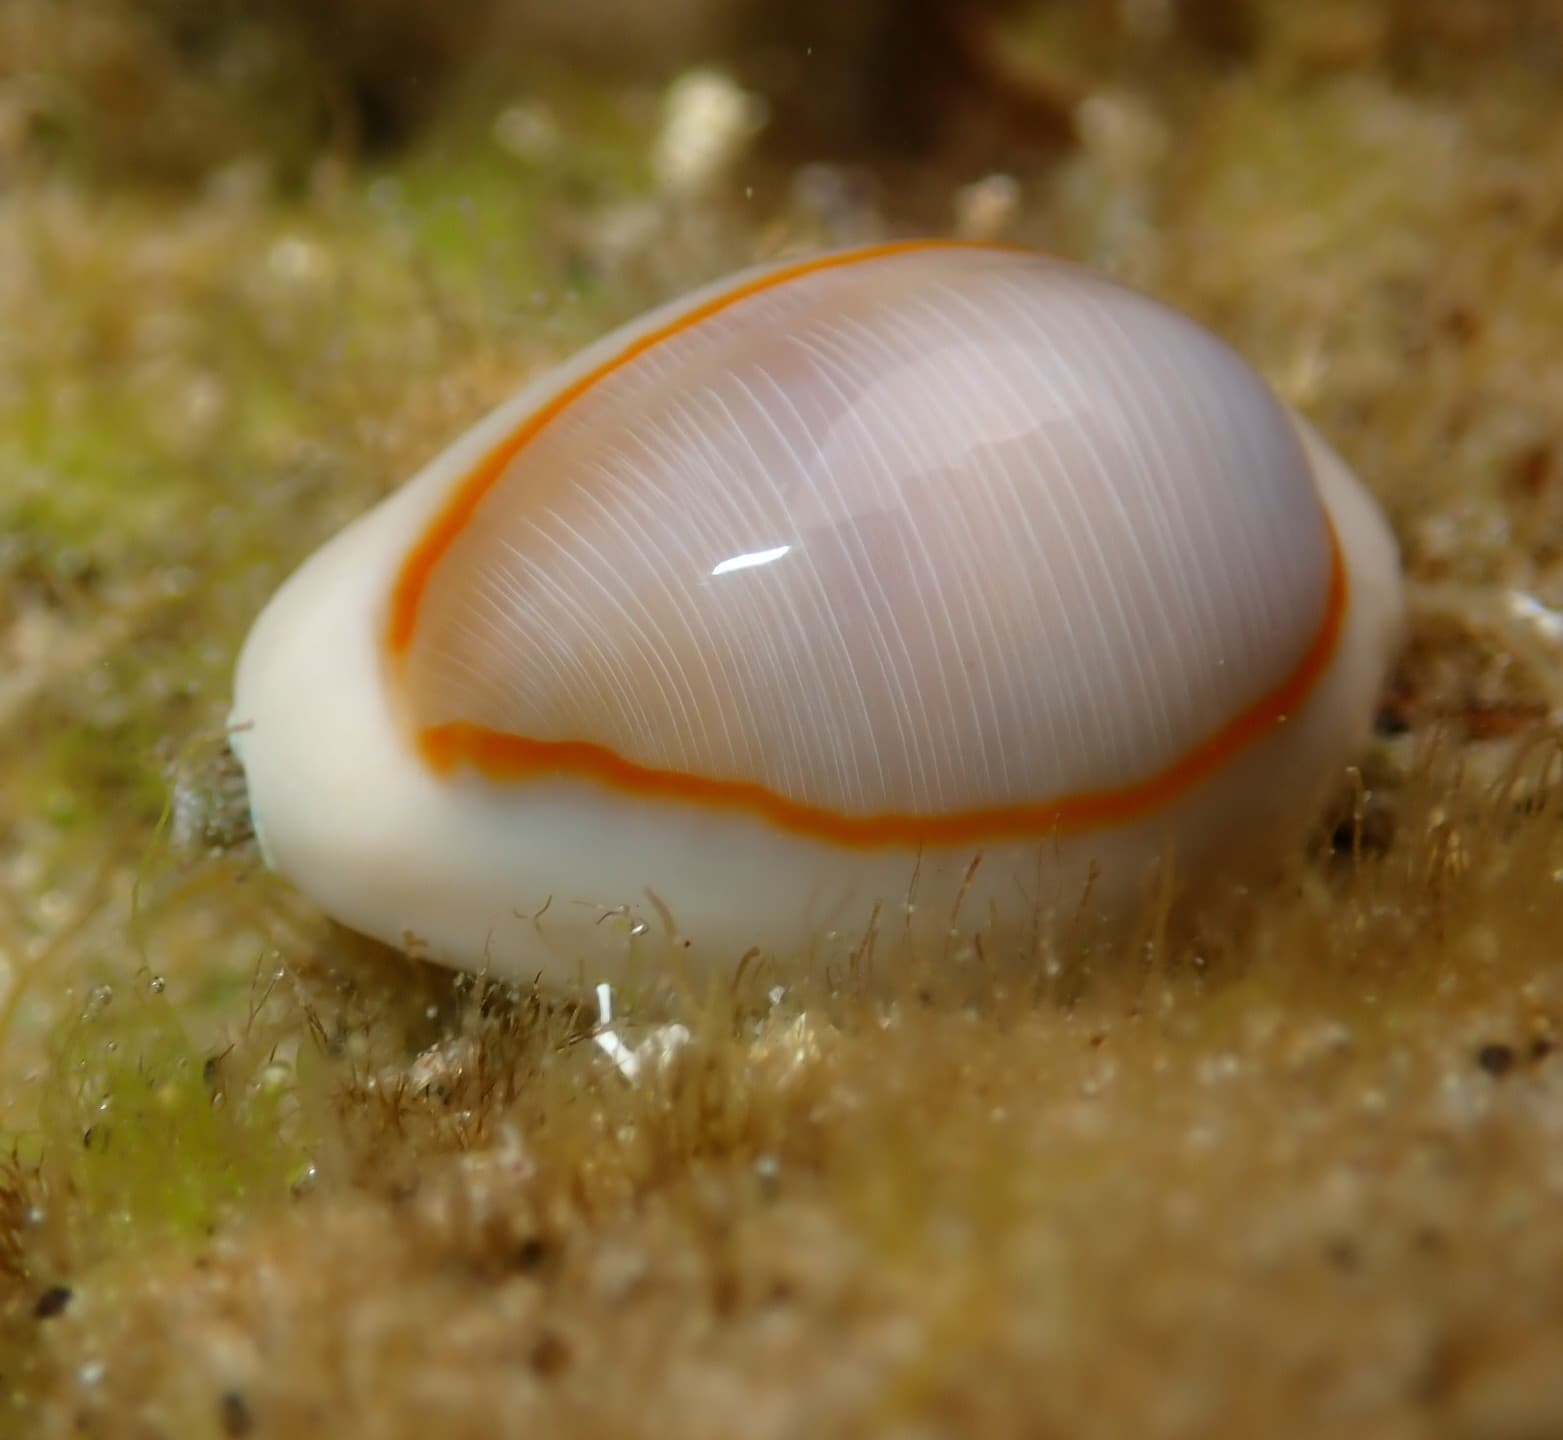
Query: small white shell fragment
[(707, 120), (925, 587), (986, 206), (630, 1061), (529, 131)]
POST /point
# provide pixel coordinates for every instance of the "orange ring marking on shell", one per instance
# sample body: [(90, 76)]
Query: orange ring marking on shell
[(504, 757)]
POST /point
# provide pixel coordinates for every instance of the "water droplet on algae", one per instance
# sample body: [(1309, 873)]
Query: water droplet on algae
[(157, 984)]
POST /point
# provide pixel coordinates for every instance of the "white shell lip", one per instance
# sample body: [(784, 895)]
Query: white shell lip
[(439, 865), (1375, 621)]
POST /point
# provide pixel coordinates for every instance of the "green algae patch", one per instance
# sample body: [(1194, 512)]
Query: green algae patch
[(142, 1141), (151, 1138)]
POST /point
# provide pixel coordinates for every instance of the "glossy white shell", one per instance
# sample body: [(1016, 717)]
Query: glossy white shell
[(884, 540)]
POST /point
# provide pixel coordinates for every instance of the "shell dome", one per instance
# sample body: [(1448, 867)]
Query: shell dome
[(807, 592)]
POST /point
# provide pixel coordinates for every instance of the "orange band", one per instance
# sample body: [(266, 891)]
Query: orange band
[(511, 758)]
